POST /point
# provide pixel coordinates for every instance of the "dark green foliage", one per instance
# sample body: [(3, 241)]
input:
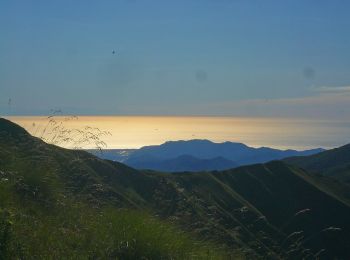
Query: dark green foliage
[(36, 185), (66, 228), (5, 234)]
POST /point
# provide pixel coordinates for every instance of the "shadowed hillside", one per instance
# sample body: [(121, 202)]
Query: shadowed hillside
[(62, 204), (333, 163), (181, 163), (267, 211)]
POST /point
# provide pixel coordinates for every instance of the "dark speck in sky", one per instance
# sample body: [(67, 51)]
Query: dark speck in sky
[(201, 75), (309, 73)]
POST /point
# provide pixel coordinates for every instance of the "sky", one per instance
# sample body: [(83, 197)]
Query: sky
[(138, 131), (187, 57)]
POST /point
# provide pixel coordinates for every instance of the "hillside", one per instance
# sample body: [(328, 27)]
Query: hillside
[(181, 163), (333, 163), (267, 211), (62, 204), (119, 155)]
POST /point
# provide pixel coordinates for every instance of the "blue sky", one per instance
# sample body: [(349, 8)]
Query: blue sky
[(203, 57)]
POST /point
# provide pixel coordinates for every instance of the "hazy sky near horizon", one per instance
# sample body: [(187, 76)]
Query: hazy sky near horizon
[(186, 57), (138, 131)]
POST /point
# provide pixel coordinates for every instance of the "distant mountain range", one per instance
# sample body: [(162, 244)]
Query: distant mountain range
[(197, 155)]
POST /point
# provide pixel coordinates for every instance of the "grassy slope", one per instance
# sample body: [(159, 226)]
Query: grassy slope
[(250, 208), (334, 163), (55, 203), (277, 192)]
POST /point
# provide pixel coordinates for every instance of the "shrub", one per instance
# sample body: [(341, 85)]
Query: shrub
[(5, 234)]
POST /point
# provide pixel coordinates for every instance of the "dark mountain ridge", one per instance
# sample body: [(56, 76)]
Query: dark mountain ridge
[(333, 163), (181, 163), (255, 209)]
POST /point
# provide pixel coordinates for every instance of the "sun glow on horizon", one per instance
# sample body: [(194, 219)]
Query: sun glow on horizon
[(130, 132)]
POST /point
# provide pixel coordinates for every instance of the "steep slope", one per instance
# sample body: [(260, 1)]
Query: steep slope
[(268, 211), (333, 163), (182, 163), (46, 173), (79, 171), (282, 195), (61, 204), (119, 155)]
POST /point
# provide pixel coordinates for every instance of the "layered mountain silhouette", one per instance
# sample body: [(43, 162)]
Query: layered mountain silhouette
[(198, 155), (266, 211)]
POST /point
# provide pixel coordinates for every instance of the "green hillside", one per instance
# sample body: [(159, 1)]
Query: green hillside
[(58, 203), (61, 204), (333, 163)]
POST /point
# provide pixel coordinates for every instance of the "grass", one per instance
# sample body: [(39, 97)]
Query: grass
[(55, 131), (39, 219), (84, 233), (5, 235)]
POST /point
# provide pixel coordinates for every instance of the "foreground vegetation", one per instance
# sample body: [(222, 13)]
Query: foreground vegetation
[(49, 210), (58, 228)]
